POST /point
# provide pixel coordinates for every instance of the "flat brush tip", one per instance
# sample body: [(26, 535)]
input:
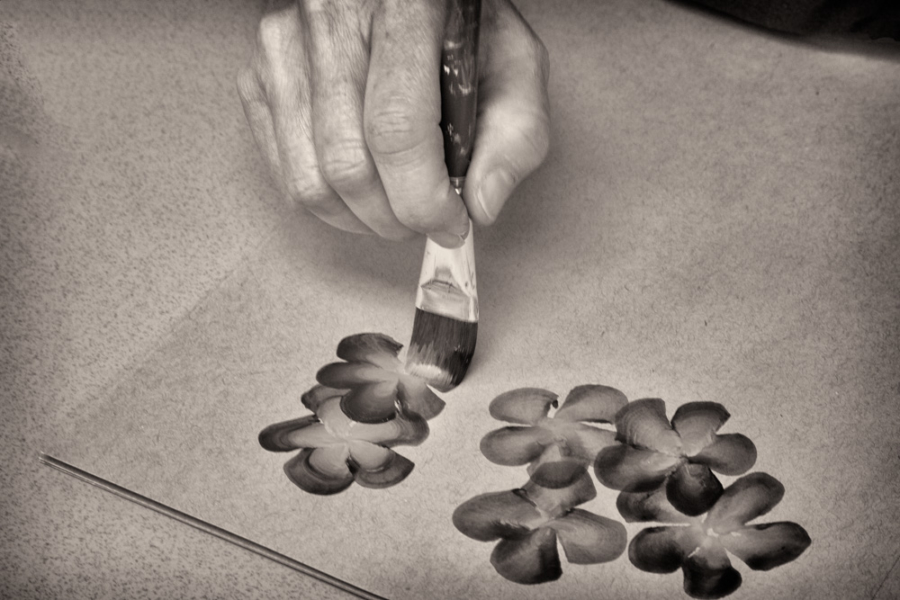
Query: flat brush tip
[(441, 349)]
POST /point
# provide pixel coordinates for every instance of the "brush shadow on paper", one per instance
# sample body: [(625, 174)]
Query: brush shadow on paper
[(359, 258)]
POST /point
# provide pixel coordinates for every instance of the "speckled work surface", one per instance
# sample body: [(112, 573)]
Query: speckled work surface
[(717, 221)]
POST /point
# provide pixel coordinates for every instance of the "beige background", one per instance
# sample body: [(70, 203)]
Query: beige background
[(718, 220)]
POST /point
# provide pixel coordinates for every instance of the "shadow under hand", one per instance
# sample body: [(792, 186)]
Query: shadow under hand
[(352, 256), (862, 28)]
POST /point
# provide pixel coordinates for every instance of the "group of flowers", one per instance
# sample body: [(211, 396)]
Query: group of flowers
[(362, 408), (665, 472)]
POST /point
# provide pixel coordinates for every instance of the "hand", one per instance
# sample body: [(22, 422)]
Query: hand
[(343, 99)]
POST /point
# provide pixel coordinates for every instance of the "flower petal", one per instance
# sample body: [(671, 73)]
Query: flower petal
[(497, 515), (407, 429), (368, 456), (697, 424), (586, 441), (280, 437), (310, 479), (593, 403), (728, 454), (663, 549), (374, 348), (693, 489), (513, 446), (530, 559), (371, 402), (557, 501), (526, 406), (767, 546), (641, 507), (630, 469), (417, 397), (708, 573), (344, 375), (314, 436), (394, 470), (556, 467), (330, 460), (317, 394), (749, 497), (643, 423), (588, 538), (335, 420)]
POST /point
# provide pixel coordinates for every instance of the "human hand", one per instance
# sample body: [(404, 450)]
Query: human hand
[(343, 99)]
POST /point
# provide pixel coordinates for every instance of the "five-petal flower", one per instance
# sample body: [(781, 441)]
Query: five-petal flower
[(528, 522), (700, 546), (558, 449), (680, 455), (335, 450), (376, 382)]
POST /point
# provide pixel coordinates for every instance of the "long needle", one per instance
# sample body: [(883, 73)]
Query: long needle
[(204, 526)]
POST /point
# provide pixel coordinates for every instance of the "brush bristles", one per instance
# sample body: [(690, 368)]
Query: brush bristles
[(441, 349)]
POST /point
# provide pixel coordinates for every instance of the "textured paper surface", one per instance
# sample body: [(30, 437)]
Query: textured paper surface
[(716, 221)]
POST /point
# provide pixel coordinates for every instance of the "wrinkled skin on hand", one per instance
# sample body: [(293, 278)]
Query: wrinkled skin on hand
[(343, 99)]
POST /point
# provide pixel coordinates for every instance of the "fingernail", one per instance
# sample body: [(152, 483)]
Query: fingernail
[(448, 240), (495, 189)]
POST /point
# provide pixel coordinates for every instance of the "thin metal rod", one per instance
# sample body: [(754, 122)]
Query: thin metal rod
[(204, 526)]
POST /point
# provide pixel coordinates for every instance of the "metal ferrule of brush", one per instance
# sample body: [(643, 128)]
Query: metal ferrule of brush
[(447, 284)]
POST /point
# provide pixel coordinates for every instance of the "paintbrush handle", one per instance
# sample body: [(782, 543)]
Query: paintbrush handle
[(459, 86), (447, 285)]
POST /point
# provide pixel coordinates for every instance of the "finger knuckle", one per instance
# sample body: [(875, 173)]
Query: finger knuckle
[(277, 29), (393, 129), (422, 214), (308, 193), (415, 216), (523, 46), (271, 30), (317, 8), (345, 164)]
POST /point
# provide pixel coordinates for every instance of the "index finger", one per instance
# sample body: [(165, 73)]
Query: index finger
[(402, 117)]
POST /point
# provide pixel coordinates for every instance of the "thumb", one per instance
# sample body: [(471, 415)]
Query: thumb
[(513, 127)]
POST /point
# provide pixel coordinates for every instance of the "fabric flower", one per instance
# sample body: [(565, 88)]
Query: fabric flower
[(529, 521), (700, 546), (335, 451), (680, 455), (558, 448), (377, 381)]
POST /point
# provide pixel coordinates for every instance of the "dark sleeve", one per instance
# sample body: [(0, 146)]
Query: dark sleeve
[(869, 18)]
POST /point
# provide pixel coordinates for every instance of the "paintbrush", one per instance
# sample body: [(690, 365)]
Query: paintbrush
[(446, 322)]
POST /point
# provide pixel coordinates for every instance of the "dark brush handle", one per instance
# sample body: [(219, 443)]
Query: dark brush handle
[(459, 86)]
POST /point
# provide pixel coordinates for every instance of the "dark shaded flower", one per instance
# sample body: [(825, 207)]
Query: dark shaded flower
[(376, 382), (529, 521), (335, 451), (558, 449), (681, 455), (700, 546)]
